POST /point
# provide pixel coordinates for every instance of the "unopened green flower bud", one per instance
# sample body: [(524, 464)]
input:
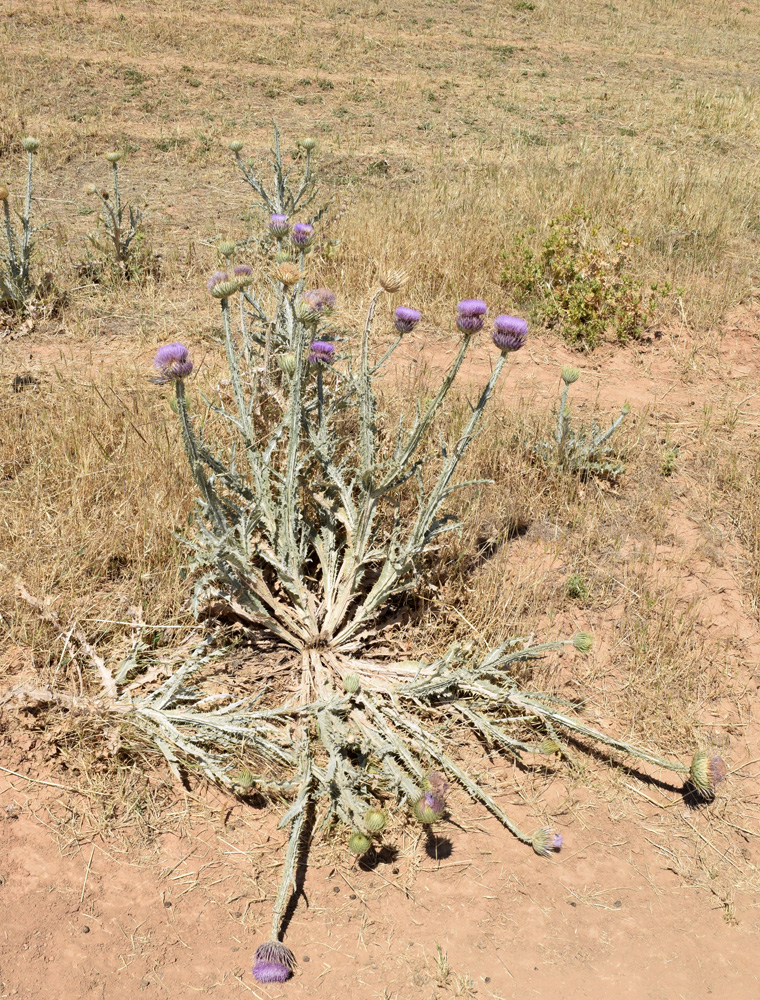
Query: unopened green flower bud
[(244, 779), (583, 642), (236, 145), (570, 375), (281, 256), (226, 249), (350, 682), (114, 156), (375, 820), (224, 289), (308, 143), (549, 746), (626, 409), (4, 192), (306, 314), (358, 843), (286, 363), (30, 144)]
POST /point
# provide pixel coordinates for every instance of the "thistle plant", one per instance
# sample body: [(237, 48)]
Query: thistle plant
[(16, 285), (301, 538), (581, 448), (312, 521), (120, 238), (281, 201)]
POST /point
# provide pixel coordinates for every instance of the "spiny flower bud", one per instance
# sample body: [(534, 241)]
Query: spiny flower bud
[(544, 841), (308, 143), (289, 273), (281, 256), (286, 363), (224, 289), (114, 156), (351, 684), (570, 375), (279, 225), (226, 249), (4, 192), (302, 235), (375, 820), (626, 409), (236, 145), (405, 319), (583, 642), (393, 281), (30, 144), (706, 772), (243, 274), (171, 362), (273, 963), (244, 779), (429, 808), (90, 189), (470, 313), (509, 333), (358, 843), (549, 746), (305, 313)]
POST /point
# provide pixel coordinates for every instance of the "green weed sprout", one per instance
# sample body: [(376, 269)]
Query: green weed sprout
[(16, 285), (120, 237), (581, 449)]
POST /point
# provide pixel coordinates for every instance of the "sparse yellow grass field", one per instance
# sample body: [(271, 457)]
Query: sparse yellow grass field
[(444, 130)]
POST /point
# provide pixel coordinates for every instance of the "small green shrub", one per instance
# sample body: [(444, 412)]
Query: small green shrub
[(579, 286)]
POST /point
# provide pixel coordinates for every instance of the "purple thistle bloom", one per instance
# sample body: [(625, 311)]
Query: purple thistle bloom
[(171, 362), (216, 278), (472, 307), (321, 351), (302, 234), (509, 333), (321, 300), (242, 271), (406, 319), (278, 225), (273, 963), (470, 313)]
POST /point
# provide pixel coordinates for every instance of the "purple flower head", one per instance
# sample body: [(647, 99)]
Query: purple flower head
[(321, 300), (278, 225), (217, 278), (470, 313), (302, 234), (273, 963), (544, 841), (432, 801), (242, 271), (406, 319), (472, 307), (171, 362), (321, 351), (509, 333)]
